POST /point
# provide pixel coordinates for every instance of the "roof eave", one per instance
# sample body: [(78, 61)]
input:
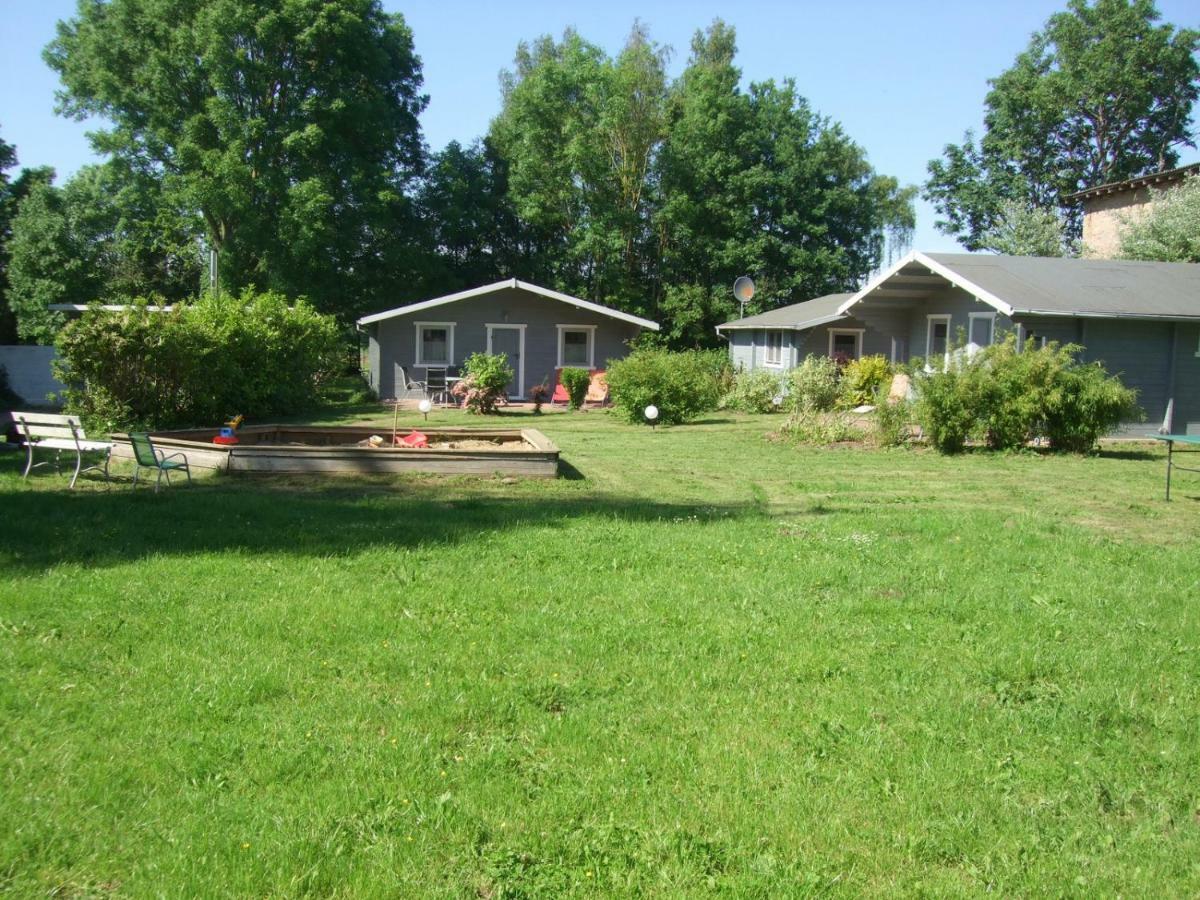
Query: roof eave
[(1089, 314), (780, 326)]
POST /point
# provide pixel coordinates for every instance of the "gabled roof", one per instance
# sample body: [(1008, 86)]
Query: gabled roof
[(1165, 177), (1032, 285), (502, 285), (796, 317)]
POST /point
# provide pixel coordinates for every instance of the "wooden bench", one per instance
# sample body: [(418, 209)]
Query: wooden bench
[(45, 431)]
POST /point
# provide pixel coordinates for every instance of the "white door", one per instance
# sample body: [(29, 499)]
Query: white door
[(510, 340)]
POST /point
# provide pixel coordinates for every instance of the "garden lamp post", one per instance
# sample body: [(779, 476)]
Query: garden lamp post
[(652, 415), (425, 406)]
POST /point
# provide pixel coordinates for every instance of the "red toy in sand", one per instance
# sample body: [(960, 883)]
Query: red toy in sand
[(415, 439)]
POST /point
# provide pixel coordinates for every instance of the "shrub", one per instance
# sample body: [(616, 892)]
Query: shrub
[(813, 384), (862, 379), (1084, 404), (486, 383), (947, 409), (1012, 389), (258, 354), (754, 392), (892, 422), (812, 426), (717, 364), (576, 382), (539, 394), (682, 385), (1007, 397)]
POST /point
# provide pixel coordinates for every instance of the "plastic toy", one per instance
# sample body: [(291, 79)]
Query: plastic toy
[(415, 439), (228, 433)]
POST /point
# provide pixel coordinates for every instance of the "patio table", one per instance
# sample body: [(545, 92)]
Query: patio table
[(1172, 440)]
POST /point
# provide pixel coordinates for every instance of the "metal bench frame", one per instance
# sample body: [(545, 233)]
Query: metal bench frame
[(58, 433)]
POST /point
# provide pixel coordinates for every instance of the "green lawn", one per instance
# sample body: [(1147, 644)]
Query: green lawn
[(701, 663)]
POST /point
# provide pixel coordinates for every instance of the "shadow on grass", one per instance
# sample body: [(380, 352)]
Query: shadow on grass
[(568, 472), (1137, 455), (43, 528)]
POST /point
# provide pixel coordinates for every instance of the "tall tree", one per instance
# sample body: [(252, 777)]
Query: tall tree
[(578, 131), (697, 217), (106, 235), (1021, 230), (12, 192), (471, 223), (1101, 94), (758, 183), (290, 128)]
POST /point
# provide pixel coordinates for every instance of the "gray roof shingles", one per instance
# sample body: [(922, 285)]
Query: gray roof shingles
[(797, 316), (1084, 287)]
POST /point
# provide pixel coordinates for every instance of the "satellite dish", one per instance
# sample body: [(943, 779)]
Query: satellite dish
[(743, 289)]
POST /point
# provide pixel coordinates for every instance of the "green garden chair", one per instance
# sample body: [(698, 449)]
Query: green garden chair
[(146, 456)]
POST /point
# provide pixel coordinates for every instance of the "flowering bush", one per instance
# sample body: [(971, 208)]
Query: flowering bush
[(486, 383), (538, 394)]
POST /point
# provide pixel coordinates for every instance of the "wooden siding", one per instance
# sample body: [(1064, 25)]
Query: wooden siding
[(394, 340)]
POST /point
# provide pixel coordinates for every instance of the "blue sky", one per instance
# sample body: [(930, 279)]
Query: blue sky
[(902, 78)]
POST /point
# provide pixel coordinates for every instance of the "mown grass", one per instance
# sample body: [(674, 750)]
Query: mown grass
[(702, 663)]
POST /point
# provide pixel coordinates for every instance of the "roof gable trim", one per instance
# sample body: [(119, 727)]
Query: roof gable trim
[(937, 268), (500, 285)]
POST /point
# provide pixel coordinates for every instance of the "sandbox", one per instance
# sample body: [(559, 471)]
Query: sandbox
[(317, 449)]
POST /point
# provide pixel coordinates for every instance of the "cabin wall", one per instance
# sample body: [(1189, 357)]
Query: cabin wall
[(396, 338)]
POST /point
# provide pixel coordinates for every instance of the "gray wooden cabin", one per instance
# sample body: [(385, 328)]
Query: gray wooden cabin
[(540, 330), (1140, 319)]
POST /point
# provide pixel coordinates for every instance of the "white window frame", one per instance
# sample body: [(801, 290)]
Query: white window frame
[(991, 317), (858, 340), (426, 363), (929, 321), (777, 363), (591, 344), (520, 329), (895, 357)]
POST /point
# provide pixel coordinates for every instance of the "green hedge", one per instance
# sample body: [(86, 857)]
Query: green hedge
[(576, 382), (1006, 398), (258, 354), (682, 385)]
